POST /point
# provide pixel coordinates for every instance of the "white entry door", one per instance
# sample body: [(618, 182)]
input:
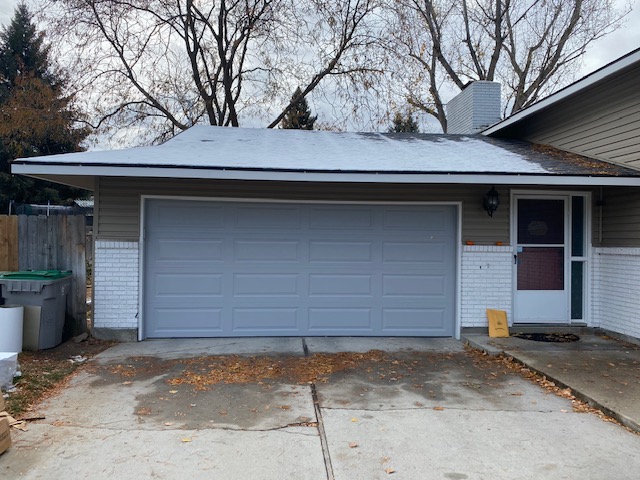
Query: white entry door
[(540, 259)]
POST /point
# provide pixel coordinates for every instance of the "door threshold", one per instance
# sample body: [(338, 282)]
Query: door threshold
[(549, 328), (577, 329)]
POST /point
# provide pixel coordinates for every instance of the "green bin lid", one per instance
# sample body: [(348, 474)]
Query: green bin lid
[(36, 274)]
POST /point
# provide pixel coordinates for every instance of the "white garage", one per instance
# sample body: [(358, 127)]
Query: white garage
[(240, 268)]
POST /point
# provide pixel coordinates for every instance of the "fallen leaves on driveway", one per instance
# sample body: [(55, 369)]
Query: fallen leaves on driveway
[(505, 363), (203, 372)]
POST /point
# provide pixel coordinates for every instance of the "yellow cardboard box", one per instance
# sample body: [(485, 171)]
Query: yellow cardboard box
[(498, 326)]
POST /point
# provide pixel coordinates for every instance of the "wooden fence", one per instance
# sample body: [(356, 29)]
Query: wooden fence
[(56, 242), (8, 243)]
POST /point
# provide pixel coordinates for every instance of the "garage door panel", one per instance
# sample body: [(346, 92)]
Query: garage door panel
[(330, 319), (340, 251), (342, 217), (427, 320), (189, 285), (331, 270), (266, 285), (269, 217), (413, 285), (185, 249), (413, 252), (172, 322), (344, 285), (180, 216), (266, 251), (265, 319)]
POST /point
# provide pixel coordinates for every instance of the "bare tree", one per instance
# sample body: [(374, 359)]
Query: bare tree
[(530, 46), (161, 66)]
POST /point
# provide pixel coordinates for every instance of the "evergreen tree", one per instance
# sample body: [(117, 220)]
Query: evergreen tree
[(22, 50), (404, 124), (299, 115), (36, 118)]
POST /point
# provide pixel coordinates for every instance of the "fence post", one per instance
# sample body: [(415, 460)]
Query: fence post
[(8, 243)]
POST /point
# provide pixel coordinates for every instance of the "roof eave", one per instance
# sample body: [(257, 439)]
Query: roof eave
[(56, 172)]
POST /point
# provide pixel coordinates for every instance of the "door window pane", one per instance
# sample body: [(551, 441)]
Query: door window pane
[(577, 290), (540, 222), (577, 226), (541, 268)]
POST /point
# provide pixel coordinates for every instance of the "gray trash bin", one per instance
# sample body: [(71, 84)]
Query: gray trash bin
[(44, 295)]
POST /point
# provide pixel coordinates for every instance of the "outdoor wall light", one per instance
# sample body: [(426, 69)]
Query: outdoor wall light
[(491, 201)]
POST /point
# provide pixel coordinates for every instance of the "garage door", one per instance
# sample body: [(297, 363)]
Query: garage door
[(230, 269)]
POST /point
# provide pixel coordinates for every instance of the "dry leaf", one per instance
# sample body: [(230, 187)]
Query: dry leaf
[(173, 391), (389, 471), (354, 419), (353, 445), (127, 383), (438, 408), (168, 424), (186, 440)]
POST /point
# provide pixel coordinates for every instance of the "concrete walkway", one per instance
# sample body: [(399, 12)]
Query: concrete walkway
[(426, 409), (600, 370)]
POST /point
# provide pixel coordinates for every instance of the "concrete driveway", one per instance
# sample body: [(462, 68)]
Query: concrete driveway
[(423, 409)]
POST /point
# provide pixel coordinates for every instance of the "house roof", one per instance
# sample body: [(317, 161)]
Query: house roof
[(297, 155), (603, 74)]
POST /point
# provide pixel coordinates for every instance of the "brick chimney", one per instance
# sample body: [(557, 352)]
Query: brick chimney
[(475, 108)]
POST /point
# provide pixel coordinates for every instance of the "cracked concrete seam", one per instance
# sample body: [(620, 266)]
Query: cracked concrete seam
[(304, 430), (401, 409)]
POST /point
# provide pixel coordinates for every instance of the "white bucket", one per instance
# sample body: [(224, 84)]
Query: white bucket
[(11, 328)]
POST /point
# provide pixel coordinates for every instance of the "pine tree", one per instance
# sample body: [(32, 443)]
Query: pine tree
[(36, 118), (404, 124), (299, 115), (22, 51)]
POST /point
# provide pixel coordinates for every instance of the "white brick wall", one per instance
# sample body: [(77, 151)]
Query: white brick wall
[(616, 290), (487, 273), (115, 285)]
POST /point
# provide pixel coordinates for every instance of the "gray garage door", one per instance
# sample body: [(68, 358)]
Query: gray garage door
[(229, 269)]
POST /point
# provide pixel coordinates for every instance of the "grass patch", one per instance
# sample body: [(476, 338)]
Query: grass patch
[(46, 371)]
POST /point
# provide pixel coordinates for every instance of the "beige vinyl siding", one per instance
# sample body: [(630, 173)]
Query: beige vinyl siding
[(601, 122), (118, 201), (620, 217)]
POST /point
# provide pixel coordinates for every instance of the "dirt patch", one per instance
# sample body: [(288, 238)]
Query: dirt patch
[(46, 371)]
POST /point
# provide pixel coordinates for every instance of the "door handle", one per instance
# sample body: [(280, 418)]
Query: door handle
[(515, 259)]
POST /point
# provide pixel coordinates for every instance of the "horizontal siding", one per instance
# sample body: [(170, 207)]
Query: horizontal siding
[(118, 215), (600, 123), (118, 201), (621, 217)]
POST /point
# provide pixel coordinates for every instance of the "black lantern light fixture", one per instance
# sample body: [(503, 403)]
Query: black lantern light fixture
[(491, 201)]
